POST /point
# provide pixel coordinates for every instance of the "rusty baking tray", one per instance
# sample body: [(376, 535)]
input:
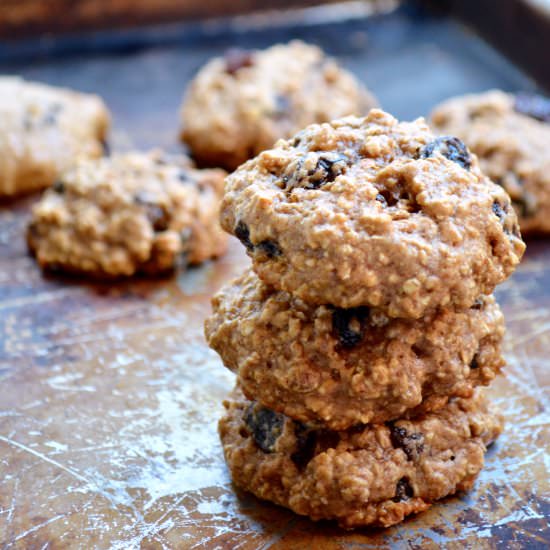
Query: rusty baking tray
[(109, 396)]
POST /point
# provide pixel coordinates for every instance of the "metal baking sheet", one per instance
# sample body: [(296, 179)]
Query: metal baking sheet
[(109, 397)]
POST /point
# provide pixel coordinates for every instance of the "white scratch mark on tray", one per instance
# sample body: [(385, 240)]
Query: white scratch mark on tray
[(38, 527), (43, 457), (61, 383)]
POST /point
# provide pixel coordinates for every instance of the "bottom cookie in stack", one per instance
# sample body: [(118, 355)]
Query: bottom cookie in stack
[(373, 474)]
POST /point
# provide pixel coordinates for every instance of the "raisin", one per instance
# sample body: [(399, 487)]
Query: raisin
[(59, 187), (326, 170), (451, 148), (306, 441), (297, 140), (269, 248), (158, 218), (328, 166), (474, 363), (342, 319), (155, 213), (412, 444), (419, 350), (534, 106), (479, 303), (236, 59), (243, 234), (403, 490), (265, 425)]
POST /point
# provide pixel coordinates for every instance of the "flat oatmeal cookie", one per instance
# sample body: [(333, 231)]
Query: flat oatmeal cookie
[(341, 367), (373, 212), (129, 213), (370, 475), (511, 137), (241, 104), (44, 129)]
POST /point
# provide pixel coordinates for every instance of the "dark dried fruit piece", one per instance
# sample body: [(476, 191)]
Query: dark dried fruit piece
[(158, 218), (156, 215), (59, 187), (236, 59), (403, 491), (269, 248), (326, 170), (479, 303), (297, 140), (474, 363), (312, 441), (349, 325), (451, 148), (307, 175), (265, 425), (306, 441), (533, 105), (412, 444), (243, 234)]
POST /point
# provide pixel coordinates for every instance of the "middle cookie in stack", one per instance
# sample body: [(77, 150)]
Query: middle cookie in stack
[(375, 246), (342, 367)]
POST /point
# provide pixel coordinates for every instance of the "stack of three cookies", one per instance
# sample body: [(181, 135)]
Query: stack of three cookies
[(367, 324)]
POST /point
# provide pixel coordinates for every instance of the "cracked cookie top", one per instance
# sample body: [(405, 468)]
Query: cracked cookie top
[(373, 212)]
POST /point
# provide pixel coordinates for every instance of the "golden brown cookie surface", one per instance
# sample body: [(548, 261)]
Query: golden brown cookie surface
[(344, 367), (130, 213), (241, 104), (511, 142), (372, 475), (44, 129), (373, 212)]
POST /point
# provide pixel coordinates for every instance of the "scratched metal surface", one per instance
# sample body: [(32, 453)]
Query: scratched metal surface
[(109, 396)]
